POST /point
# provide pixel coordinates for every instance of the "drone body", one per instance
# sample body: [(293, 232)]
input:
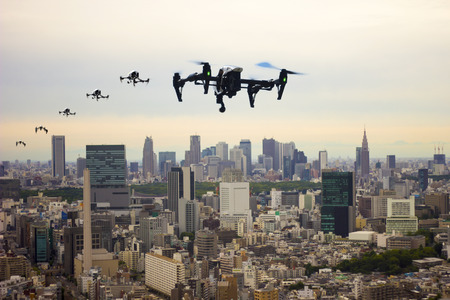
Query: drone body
[(228, 82), (41, 128), (133, 77), (20, 142), (97, 94), (67, 112)]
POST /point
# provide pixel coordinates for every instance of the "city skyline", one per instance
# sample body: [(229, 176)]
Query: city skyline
[(382, 66)]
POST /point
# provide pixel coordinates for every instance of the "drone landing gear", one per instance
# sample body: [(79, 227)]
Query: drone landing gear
[(219, 100)]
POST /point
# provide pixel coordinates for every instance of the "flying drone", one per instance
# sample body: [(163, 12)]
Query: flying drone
[(228, 82), (133, 77), (20, 142), (67, 112), (97, 94), (41, 128)]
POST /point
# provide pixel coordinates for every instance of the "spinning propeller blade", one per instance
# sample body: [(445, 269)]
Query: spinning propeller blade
[(270, 66)]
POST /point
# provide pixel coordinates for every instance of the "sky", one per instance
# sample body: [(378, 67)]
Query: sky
[(380, 65)]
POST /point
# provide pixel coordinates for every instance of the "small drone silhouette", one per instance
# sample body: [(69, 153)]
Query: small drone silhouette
[(20, 142), (133, 77), (67, 112), (97, 94), (41, 128)]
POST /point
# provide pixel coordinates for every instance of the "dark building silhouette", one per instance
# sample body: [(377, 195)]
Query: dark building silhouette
[(423, 179), (365, 156), (390, 162), (180, 185), (338, 203), (270, 148), (108, 168)]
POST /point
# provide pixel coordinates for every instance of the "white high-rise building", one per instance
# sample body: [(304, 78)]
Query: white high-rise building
[(401, 216), (222, 150), (240, 161), (163, 273), (234, 196), (323, 161), (276, 198)]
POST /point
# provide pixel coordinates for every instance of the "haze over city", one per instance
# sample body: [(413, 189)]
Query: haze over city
[(383, 66)]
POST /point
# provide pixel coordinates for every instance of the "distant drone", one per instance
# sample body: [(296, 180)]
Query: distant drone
[(133, 77), (97, 94), (20, 142), (228, 82), (67, 112), (41, 128)]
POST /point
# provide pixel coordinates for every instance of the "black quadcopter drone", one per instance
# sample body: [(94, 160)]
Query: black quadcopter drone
[(133, 77), (67, 112), (41, 128), (228, 82), (97, 94)]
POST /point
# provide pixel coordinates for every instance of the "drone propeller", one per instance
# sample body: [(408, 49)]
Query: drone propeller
[(198, 62), (270, 66)]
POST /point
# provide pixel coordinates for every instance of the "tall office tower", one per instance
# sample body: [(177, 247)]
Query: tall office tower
[(180, 184), (165, 156), (237, 155), (147, 158), (40, 247), (338, 203), (195, 150), (423, 179), (246, 147), (271, 148), (108, 172), (287, 167), (58, 155), (390, 162), (163, 273), (87, 228), (323, 161), (401, 216), (81, 165), (234, 197), (365, 156), (358, 160), (188, 215), (222, 150)]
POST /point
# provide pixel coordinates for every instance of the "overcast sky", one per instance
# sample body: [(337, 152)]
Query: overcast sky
[(382, 64)]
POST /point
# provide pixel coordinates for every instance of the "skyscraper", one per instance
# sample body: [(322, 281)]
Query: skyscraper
[(423, 179), (222, 150), (365, 156), (87, 229), (237, 155), (164, 157), (234, 197), (358, 160), (147, 158), (246, 147), (108, 170), (338, 198), (180, 184), (390, 162), (195, 150), (81, 165), (58, 155), (270, 148), (323, 161)]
